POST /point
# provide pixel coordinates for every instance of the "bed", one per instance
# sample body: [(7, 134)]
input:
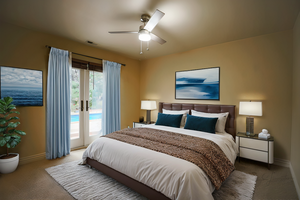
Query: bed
[(137, 167)]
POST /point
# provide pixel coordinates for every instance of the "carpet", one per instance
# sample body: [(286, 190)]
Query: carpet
[(85, 183)]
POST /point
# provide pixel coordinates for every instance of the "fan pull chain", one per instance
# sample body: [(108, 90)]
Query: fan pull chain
[(141, 52), (147, 45)]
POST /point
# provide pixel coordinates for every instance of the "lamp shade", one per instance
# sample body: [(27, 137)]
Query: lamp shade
[(148, 105), (250, 108)]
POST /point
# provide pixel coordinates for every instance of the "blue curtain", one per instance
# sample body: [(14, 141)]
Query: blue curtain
[(111, 117), (58, 104)]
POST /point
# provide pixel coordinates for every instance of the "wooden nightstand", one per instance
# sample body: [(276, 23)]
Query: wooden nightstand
[(255, 148), (140, 124)]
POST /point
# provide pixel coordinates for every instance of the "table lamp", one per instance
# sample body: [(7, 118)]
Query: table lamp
[(148, 105), (251, 109)]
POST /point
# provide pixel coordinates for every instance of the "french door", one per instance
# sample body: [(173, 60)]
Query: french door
[(86, 106)]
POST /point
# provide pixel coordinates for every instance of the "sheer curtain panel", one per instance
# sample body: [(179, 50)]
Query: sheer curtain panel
[(58, 104), (111, 117)]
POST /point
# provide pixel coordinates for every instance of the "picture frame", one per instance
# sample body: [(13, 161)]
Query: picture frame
[(198, 84), (25, 86)]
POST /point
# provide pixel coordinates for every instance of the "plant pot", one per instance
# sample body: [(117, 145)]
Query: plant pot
[(9, 165)]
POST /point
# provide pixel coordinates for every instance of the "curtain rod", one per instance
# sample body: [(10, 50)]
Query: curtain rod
[(85, 55)]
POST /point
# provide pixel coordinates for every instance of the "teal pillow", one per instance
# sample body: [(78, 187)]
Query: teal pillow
[(201, 124), (168, 120)]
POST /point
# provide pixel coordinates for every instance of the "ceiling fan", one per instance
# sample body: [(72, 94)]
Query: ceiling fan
[(145, 30)]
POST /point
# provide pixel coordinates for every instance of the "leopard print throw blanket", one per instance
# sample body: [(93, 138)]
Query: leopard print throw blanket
[(202, 152)]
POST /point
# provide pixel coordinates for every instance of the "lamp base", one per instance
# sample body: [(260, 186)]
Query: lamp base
[(148, 118), (250, 126)]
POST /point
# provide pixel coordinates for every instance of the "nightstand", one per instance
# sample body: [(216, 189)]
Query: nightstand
[(255, 148), (140, 124)]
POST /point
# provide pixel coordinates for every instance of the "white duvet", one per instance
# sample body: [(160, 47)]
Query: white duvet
[(174, 177)]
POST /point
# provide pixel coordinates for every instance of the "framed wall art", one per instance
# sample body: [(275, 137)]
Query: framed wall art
[(25, 86), (198, 84)]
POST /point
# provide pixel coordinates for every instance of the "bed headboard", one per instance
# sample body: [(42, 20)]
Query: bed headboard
[(208, 108)]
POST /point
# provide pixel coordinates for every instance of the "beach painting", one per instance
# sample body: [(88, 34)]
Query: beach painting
[(199, 84), (25, 86)]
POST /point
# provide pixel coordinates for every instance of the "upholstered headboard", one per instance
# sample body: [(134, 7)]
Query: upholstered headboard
[(208, 108)]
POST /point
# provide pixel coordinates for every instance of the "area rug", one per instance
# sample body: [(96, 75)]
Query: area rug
[(84, 183)]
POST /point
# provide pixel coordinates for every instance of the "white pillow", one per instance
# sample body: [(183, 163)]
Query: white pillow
[(178, 112), (222, 117)]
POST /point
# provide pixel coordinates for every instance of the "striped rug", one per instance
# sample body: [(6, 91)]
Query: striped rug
[(84, 183)]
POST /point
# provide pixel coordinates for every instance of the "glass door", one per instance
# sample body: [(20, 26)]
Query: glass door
[(94, 103), (76, 105), (86, 106)]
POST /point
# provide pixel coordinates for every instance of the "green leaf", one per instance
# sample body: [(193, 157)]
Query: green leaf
[(2, 121), (20, 132), (11, 107), (8, 145), (13, 124), (2, 111), (11, 112), (2, 141), (7, 138), (16, 136), (2, 129), (18, 139), (14, 143), (12, 118), (8, 100), (11, 130), (2, 106), (2, 102)]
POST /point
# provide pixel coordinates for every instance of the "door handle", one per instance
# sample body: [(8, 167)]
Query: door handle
[(87, 105), (81, 106)]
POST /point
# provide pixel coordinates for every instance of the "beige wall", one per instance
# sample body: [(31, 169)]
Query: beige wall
[(26, 49), (258, 68), (295, 148)]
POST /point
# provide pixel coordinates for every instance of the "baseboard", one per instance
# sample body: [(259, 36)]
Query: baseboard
[(78, 148), (40, 156), (281, 162), (295, 180), (29, 159)]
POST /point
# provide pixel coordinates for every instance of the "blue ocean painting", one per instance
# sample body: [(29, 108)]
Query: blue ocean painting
[(198, 84), (25, 86)]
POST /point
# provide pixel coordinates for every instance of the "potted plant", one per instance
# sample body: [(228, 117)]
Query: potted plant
[(9, 136)]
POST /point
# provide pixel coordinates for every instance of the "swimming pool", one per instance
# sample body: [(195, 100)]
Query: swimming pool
[(75, 118)]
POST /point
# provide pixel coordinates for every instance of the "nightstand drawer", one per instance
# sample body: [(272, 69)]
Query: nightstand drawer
[(254, 155), (138, 125), (254, 144)]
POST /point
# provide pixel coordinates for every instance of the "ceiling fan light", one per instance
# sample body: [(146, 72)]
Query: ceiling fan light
[(144, 35)]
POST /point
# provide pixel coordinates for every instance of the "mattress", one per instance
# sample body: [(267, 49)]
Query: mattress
[(176, 178)]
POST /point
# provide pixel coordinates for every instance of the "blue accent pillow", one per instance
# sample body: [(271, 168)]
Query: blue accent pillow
[(168, 120), (201, 124)]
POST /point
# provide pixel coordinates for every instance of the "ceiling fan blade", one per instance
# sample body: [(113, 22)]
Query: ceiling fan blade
[(153, 21), (117, 32), (157, 39)]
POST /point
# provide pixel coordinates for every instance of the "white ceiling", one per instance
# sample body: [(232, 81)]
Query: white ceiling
[(187, 24)]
